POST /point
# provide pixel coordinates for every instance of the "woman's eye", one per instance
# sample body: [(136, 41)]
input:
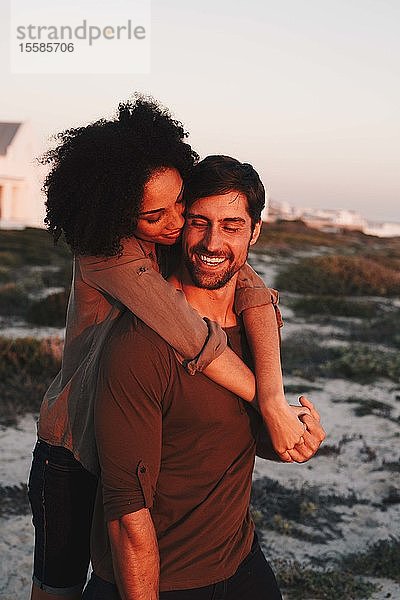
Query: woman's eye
[(153, 220)]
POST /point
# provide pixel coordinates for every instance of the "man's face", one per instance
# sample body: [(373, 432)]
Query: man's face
[(216, 238)]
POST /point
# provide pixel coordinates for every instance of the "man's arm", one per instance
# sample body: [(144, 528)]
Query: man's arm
[(135, 556)]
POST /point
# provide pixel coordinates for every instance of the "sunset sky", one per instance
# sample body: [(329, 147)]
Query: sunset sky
[(308, 91)]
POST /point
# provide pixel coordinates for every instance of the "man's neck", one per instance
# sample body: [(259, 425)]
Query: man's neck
[(217, 305)]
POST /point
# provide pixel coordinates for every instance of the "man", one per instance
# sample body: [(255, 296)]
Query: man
[(177, 452)]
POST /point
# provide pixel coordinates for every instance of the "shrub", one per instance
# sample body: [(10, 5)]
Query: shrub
[(385, 329), (339, 275), (330, 584), (27, 367), (13, 299), (5, 275), (31, 246), (333, 305), (382, 559), (49, 311), (363, 364), (303, 356)]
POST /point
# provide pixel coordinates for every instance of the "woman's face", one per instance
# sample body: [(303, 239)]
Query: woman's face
[(160, 216)]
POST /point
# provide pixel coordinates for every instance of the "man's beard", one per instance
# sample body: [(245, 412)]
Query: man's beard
[(209, 280)]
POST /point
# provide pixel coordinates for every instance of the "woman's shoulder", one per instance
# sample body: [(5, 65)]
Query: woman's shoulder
[(131, 247)]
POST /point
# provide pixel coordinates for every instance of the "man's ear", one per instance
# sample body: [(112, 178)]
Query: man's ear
[(256, 233)]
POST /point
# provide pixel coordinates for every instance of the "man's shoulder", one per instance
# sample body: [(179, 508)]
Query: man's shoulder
[(130, 336)]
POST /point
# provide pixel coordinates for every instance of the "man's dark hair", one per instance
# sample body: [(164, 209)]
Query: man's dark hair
[(98, 172), (220, 174)]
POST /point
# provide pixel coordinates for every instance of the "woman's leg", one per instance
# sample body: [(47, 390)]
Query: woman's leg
[(61, 493)]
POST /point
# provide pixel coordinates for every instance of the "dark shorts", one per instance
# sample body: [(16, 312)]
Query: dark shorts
[(253, 580), (62, 494)]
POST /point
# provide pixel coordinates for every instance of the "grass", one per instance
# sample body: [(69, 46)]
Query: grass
[(333, 305), (13, 299), (369, 406), (362, 363), (339, 275), (14, 500), (384, 329), (301, 388), (302, 582), (27, 367), (304, 513), (49, 311), (302, 356), (31, 246), (382, 559)]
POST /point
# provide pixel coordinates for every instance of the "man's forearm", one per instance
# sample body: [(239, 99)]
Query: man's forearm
[(135, 556)]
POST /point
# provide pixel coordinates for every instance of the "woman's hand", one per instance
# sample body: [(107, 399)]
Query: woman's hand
[(295, 431)]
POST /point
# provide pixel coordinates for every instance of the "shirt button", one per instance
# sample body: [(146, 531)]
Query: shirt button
[(143, 469), (142, 270)]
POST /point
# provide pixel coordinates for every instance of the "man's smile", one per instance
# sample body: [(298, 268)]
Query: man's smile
[(210, 261)]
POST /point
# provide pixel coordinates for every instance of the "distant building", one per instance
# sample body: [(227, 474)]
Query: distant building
[(383, 229), (21, 203)]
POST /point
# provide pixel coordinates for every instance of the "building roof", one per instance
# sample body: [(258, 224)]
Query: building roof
[(7, 133)]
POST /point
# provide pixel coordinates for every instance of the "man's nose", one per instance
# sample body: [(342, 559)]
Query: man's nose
[(213, 241)]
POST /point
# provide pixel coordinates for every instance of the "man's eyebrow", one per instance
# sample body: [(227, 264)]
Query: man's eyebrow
[(238, 220), (233, 220), (195, 216), (156, 210)]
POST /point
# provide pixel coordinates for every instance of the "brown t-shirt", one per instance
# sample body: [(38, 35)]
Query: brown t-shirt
[(182, 446)]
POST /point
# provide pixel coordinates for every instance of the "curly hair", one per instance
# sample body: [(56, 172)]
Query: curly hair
[(98, 172)]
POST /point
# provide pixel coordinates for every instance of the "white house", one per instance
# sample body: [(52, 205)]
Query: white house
[(21, 203)]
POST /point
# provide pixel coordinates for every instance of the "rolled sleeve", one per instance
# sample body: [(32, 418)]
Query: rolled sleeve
[(128, 421), (251, 292)]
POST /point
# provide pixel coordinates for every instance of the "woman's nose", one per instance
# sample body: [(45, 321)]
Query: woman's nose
[(177, 220)]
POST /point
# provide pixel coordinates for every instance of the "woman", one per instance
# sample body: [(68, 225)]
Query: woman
[(115, 191)]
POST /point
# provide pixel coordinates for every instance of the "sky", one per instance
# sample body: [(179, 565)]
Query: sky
[(308, 91)]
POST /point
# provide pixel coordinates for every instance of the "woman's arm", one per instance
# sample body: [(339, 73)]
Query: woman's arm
[(262, 320), (132, 280)]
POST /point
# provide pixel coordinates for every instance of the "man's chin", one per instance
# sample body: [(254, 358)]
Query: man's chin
[(207, 281)]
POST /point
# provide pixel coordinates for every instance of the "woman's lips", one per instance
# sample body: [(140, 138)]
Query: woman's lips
[(173, 234)]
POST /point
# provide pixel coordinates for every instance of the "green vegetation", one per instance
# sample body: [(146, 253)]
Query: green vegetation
[(385, 330), (302, 582), (369, 406), (333, 305), (304, 513), (13, 299), (339, 275), (27, 367), (14, 500), (302, 356), (31, 246), (363, 364), (382, 559), (49, 311)]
